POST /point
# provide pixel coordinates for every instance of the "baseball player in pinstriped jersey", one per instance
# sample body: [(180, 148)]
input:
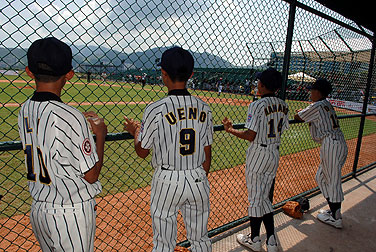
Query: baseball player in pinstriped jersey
[(267, 119), (325, 130), (179, 130), (63, 162)]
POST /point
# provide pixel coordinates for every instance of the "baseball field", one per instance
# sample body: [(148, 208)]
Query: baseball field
[(123, 217)]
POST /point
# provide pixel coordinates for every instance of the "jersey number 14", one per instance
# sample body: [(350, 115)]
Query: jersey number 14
[(272, 130)]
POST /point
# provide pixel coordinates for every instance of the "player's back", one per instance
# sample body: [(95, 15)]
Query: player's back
[(178, 128), (268, 117), (50, 132), (323, 120)]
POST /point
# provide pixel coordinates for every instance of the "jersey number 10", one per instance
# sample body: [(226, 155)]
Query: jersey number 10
[(43, 174)]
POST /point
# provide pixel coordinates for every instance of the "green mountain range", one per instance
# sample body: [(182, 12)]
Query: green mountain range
[(15, 58)]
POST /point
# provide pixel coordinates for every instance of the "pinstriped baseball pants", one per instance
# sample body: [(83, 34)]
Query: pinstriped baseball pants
[(67, 228), (261, 169), (333, 154), (187, 191)]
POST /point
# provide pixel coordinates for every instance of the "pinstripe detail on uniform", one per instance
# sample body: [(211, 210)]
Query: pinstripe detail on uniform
[(60, 140), (333, 155), (325, 129), (178, 190), (59, 149), (64, 228), (322, 120), (177, 128), (163, 138), (264, 116), (261, 168), (268, 117)]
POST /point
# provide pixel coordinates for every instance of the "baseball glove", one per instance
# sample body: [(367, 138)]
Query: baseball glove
[(292, 209)]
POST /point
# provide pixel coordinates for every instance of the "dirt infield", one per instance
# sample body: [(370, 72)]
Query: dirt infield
[(123, 221)]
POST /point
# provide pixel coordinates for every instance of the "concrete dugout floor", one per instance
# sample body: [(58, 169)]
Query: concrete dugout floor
[(309, 234)]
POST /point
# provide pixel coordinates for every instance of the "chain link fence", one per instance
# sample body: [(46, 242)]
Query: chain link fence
[(116, 45)]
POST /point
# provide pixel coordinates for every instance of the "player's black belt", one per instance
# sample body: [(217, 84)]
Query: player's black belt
[(264, 145), (166, 169)]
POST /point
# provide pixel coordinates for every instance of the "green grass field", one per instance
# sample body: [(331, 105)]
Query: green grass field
[(124, 171)]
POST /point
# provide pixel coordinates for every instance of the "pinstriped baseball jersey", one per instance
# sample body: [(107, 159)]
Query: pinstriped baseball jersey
[(177, 128), (322, 120), (268, 117), (59, 149), (333, 154), (325, 129)]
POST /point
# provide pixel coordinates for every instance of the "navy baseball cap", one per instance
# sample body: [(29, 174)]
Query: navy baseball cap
[(49, 56), (176, 60), (271, 78), (323, 86)]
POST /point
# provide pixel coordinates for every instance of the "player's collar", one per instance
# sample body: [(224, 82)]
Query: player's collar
[(268, 95), (45, 96), (179, 92)]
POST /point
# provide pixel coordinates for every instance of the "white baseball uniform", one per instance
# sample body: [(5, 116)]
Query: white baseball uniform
[(220, 88), (59, 149), (324, 128), (268, 117), (177, 128)]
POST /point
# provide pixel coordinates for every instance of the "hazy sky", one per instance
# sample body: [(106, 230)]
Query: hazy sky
[(221, 27)]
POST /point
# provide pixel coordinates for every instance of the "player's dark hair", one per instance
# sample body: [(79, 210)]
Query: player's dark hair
[(324, 93), (323, 86), (271, 79), (270, 87), (46, 78), (181, 75)]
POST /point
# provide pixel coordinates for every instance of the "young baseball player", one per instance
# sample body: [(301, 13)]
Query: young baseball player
[(179, 130), (267, 119), (220, 86), (63, 162), (325, 130)]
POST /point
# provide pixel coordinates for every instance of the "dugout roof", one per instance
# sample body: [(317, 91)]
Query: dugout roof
[(360, 11)]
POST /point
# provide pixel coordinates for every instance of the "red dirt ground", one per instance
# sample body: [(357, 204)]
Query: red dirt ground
[(123, 221)]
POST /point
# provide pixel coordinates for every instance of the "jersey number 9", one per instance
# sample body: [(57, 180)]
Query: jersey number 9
[(187, 142)]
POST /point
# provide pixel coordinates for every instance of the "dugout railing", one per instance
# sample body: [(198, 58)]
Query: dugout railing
[(116, 45)]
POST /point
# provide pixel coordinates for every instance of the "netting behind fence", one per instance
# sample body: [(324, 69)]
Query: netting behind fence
[(116, 45)]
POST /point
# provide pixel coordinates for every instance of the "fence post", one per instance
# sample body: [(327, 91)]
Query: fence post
[(365, 102), (287, 56)]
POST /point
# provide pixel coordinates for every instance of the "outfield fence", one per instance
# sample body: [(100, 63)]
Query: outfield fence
[(116, 45)]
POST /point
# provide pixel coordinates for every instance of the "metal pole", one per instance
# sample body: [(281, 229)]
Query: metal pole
[(365, 102), (286, 59)]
